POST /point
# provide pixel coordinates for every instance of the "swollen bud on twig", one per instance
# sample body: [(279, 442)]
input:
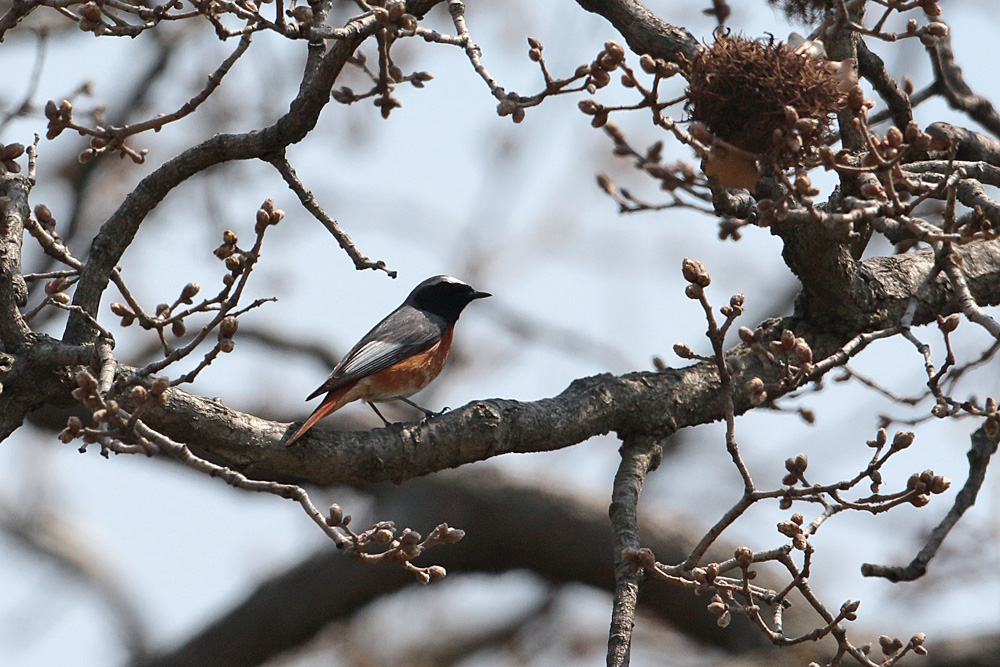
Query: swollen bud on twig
[(335, 517), (695, 273), (228, 326), (889, 645), (683, 351), (948, 324), (694, 292), (159, 389), (879, 440), (121, 310), (797, 464), (189, 291), (903, 439), (848, 610), (86, 381)]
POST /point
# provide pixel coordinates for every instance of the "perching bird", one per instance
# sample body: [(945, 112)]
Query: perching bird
[(401, 355)]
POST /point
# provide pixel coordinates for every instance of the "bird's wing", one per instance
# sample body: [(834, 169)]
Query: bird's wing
[(405, 332)]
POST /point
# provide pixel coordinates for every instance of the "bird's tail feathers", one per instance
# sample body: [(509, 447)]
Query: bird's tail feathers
[(331, 403)]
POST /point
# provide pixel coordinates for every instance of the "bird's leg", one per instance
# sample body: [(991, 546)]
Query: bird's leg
[(427, 413), (384, 420)]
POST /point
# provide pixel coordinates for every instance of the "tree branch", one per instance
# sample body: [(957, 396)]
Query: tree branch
[(118, 231), (14, 210), (640, 402), (644, 31), (983, 447), (950, 82), (512, 525), (640, 455)]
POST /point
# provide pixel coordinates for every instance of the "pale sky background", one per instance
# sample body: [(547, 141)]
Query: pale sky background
[(445, 186)]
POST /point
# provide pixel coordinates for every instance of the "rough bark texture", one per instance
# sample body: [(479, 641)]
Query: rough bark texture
[(640, 402)]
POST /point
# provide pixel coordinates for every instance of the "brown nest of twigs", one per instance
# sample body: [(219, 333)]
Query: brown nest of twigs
[(764, 97)]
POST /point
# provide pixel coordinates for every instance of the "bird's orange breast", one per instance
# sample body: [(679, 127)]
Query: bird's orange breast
[(405, 377)]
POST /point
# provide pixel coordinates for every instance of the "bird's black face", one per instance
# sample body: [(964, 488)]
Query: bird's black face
[(444, 296)]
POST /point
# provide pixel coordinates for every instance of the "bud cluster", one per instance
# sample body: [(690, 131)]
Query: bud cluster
[(230, 253), (227, 329), (45, 218), (796, 467), (59, 117), (793, 528), (720, 608), (54, 290), (106, 416), (598, 75), (923, 484), (393, 15), (8, 157), (267, 215), (91, 19), (697, 276)]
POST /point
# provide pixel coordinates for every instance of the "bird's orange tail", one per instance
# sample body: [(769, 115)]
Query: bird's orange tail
[(333, 401)]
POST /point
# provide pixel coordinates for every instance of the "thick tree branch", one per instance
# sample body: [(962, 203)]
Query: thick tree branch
[(37, 376), (644, 31), (950, 82), (14, 210), (968, 145), (640, 402), (872, 68)]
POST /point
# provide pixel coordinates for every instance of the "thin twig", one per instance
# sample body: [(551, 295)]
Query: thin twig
[(361, 262)]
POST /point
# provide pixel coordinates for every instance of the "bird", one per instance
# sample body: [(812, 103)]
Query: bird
[(400, 355)]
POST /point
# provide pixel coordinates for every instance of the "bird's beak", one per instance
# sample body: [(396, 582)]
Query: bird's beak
[(480, 295)]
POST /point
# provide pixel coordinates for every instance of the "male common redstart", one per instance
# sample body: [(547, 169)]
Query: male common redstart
[(401, 355)]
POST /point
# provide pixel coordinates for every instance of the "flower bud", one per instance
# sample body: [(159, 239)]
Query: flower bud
[(335, 516), (694, 291), (189, 291), (683, 351), (695, 273), (228, 326), (86, 381), (789, 528), (903, 439)]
